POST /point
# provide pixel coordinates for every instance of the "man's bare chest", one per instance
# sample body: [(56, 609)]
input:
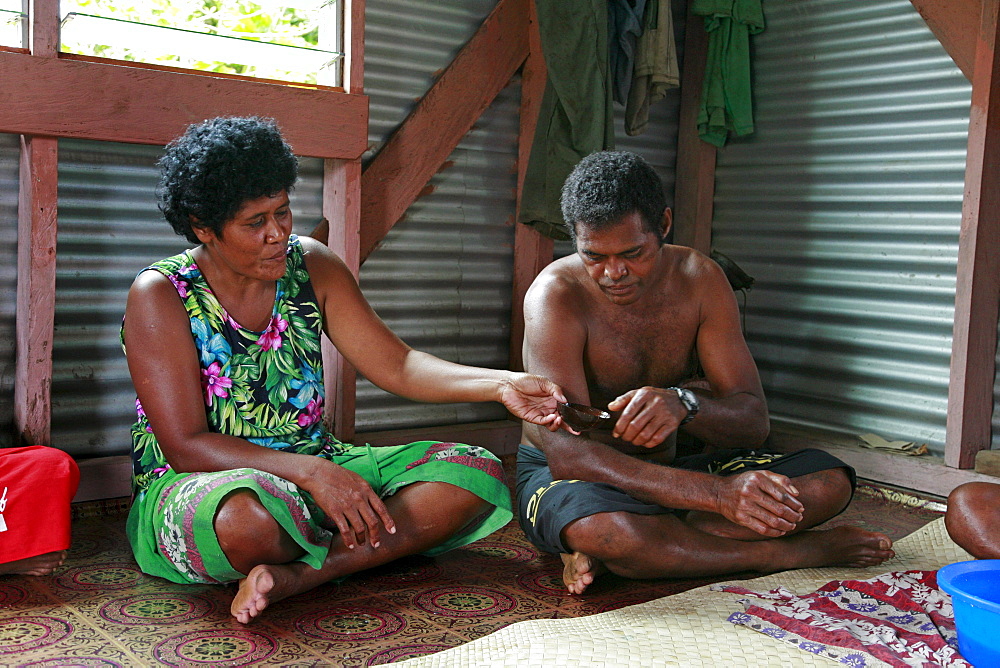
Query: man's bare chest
[(627, 350)]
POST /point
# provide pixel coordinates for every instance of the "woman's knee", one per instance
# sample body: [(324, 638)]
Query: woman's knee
[(249, 535)]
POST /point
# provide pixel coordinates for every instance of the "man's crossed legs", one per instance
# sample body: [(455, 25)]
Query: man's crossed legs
[(598, 527)]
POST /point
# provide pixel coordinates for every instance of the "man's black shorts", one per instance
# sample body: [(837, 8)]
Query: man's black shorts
[(546, 506)]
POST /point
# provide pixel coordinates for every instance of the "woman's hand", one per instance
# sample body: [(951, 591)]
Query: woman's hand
[(349, 503), (533, 399)]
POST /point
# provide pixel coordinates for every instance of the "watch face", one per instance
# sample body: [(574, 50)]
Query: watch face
[(689, 399)]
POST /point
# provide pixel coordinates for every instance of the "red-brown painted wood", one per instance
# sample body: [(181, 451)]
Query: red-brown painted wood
[(694, 186), (74, 98), (532, 251), (956, 25), (36, 254), (354, 35), (36, 289), (418, 148), (977, 290), (341, 206)]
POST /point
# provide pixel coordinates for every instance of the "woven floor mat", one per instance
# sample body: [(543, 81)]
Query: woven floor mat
[(687, 629)]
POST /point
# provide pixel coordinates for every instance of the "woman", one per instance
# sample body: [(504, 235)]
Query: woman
[(235, 476)]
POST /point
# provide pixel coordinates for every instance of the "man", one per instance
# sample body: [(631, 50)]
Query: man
[(973, 518), (627, 322)]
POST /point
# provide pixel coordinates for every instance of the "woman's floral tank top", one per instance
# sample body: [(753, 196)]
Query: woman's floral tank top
[(265, 387)]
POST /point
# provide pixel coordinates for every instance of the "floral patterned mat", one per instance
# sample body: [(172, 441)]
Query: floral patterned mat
[(98, 609), (899, 618)]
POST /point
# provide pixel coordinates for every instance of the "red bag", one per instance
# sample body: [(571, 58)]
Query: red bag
[(37, 484)]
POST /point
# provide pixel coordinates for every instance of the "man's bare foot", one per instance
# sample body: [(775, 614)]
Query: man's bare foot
[(841, 546), (41, 564), (579, 571)]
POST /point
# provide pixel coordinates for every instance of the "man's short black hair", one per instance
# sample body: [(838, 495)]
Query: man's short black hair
[(607, 185), (216, 166)]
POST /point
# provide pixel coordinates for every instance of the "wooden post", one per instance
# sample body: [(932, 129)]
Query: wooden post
[(532, 251), (342, 207), (970, 395), (694, 187), (955, 23), (36, 256)]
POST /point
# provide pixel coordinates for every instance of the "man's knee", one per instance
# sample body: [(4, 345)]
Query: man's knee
[(605, 536), (826, 493), (973, 503)]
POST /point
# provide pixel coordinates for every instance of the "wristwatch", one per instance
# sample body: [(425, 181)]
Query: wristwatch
[(690, 401)]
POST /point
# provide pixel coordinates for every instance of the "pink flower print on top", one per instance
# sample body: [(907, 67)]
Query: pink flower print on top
[(180, 285), (271, 338), (141, 413), (214, 384), (313, 412)]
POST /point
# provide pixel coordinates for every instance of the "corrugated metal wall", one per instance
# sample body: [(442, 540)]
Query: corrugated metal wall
[(658, 144), (441, 280), (109, 229), (9, 156), (442, 277), (845, 205)]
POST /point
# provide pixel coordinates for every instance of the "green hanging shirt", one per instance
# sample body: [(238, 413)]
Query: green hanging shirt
[(576, 117), (725, 94)]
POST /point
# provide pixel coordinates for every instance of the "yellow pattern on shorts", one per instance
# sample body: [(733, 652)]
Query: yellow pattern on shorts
[(740, 463), (532, 509)]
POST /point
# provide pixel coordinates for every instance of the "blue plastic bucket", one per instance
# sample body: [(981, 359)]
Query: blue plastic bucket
[(974, 587)]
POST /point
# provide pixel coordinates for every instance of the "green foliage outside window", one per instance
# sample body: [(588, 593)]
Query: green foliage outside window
[(264, 21)]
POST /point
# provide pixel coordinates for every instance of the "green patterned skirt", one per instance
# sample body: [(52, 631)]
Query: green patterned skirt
[(171, 525)]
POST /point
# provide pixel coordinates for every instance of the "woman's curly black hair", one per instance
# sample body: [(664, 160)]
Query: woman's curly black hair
[(216, 166), (607, 185)]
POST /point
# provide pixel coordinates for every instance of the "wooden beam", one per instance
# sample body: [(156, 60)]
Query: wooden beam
[(694, 187), (532, 251), (956, 25), (104, 478), (924, 474), (36, 289), (341, 206), (58, 97), (418, 148), (354, 34), (977, 290), (36, 253)]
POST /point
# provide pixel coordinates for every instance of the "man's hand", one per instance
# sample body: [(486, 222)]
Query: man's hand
[(350, 504), (649, 416), (762, 501)]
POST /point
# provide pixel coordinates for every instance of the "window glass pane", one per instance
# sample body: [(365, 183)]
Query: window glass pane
[(268, 38), (11, 22)]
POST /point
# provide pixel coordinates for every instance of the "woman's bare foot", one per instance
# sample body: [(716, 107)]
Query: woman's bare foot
[(255, 594), (579, 571), (841, 546), (41, 564)]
